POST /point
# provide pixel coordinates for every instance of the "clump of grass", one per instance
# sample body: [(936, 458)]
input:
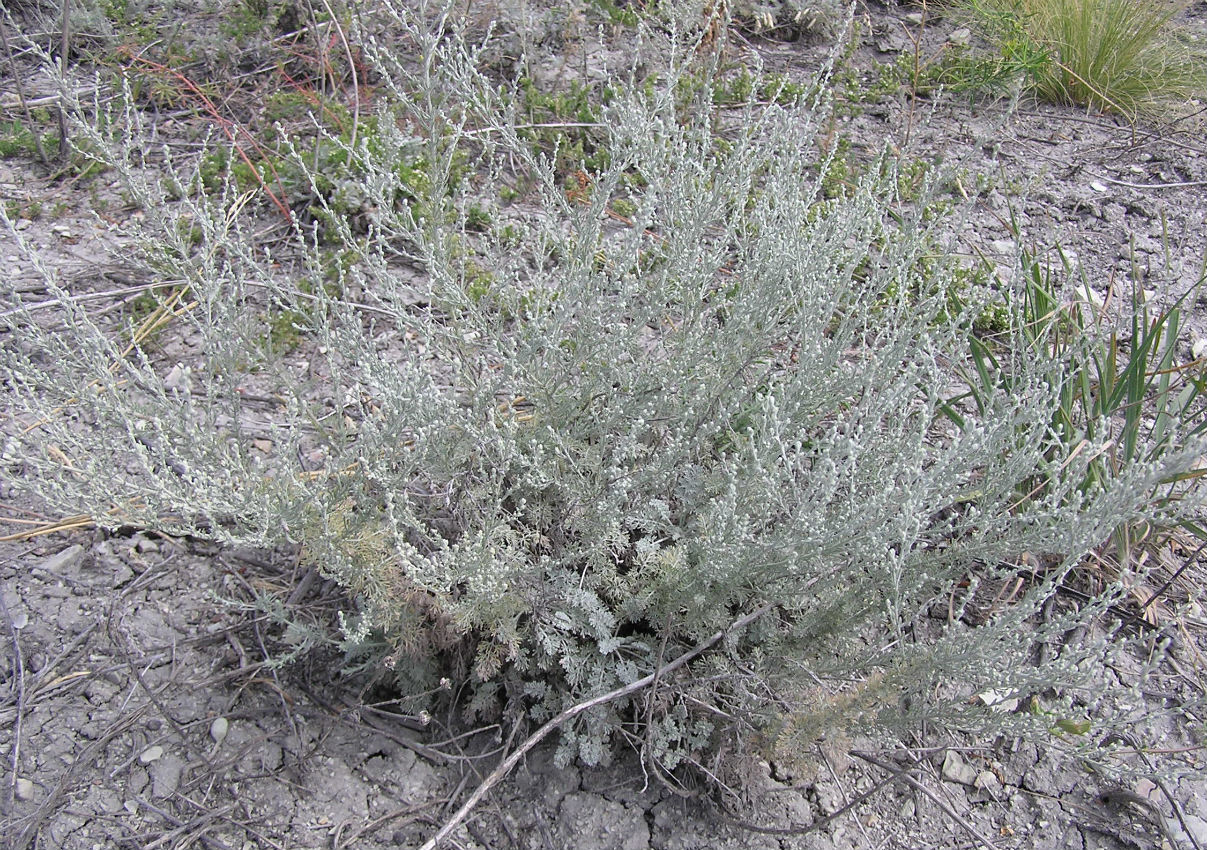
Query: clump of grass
[(1121, 56)]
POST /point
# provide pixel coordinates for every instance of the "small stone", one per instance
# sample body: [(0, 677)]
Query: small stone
[(63, 560), (1148, 789), (961, 36), (894, 42), (138, 780), (24, 790), (998, 700), (151, 754), (955, 769), (165, 776), (829, 797), (218, 729), (985, 780), (1197, 828), (1089, 296), (914, 18), (1199, 348), (1098, 186), (19, 618)]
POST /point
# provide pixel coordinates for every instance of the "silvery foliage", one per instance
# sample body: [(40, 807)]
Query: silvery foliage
[(550, 457)]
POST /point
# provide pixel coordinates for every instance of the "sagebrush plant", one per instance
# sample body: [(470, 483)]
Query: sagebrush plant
[(1122, 56), (545, 448)]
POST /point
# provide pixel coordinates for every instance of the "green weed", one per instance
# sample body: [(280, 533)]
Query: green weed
[(562, 121), (18, 140)]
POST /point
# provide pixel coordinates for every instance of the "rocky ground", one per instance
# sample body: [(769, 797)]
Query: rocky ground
[(139, 706)]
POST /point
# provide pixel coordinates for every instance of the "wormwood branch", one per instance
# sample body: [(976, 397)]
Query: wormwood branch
[(500, 772), (232, 129)]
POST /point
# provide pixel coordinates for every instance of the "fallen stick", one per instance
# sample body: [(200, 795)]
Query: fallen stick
[(934, 798), (511, 761)]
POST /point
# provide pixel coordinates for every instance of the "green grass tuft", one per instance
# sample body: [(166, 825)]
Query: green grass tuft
[(1122, 56)]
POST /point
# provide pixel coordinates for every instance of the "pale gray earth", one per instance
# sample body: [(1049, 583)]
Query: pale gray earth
[(138, 708)]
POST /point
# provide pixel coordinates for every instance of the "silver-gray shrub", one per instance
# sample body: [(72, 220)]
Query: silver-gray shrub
[(547, 454)]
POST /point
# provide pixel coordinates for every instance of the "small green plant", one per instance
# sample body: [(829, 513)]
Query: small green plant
[(284, 331), (565, 122), (18, 140), (1122, 56), (614, 12), (30, 210)]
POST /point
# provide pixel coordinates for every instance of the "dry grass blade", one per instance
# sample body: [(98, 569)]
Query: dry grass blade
[(18, 677), (64, 57), (41, 529)]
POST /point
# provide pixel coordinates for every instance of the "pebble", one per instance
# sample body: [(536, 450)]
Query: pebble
[(64, 559), (987, 783), (179, 378), (1199, 348), (150, 754), (1090, 296), (1197, 828), (24, 790), (1098, 186), (218, 729), (998, 700), (165, 776), (955, 769), (19, 618)]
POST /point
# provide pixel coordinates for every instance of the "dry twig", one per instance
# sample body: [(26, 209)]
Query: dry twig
[(905, 776), (19, 678)]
